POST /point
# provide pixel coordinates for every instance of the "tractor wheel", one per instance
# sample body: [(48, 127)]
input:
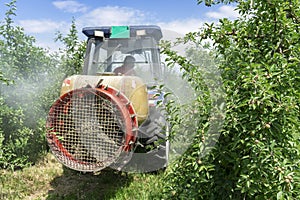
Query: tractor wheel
[(151, 154)]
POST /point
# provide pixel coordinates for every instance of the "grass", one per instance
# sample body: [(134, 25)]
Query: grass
[(50, 180)]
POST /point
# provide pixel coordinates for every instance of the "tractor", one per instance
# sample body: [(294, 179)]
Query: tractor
[(112, 114)]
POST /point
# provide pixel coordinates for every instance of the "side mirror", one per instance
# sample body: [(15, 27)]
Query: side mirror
[(164, 71)]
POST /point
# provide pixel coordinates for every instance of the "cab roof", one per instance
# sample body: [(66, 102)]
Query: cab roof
[(150, 30)]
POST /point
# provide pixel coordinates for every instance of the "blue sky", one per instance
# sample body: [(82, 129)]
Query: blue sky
[(42, 18)]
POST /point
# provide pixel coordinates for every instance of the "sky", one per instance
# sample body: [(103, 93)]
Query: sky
[(43, 18)]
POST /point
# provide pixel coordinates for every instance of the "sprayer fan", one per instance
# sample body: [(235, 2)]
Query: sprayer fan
[(88, 128)]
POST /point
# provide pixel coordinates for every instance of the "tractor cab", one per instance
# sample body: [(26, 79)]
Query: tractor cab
[(108, 46)]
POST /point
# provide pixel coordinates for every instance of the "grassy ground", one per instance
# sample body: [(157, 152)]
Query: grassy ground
[(50, 180)]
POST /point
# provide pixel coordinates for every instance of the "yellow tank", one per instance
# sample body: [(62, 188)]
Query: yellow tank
[(131, 86)]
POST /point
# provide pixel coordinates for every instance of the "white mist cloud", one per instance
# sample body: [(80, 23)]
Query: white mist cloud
[(223, 12), (70, 6)]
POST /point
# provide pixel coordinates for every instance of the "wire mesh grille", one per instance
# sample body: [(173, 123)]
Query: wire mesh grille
[(86, 131)]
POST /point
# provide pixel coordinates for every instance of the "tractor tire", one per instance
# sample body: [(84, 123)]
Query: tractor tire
[(152, 151)]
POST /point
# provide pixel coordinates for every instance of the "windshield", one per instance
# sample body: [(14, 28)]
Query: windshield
[(105, 55)]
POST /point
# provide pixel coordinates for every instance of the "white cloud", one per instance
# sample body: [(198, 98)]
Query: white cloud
[(115, 15), (40, 26), (70, 6), (223, 12), (44, 31), (49, 45), (112, 15), (182, 26)]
